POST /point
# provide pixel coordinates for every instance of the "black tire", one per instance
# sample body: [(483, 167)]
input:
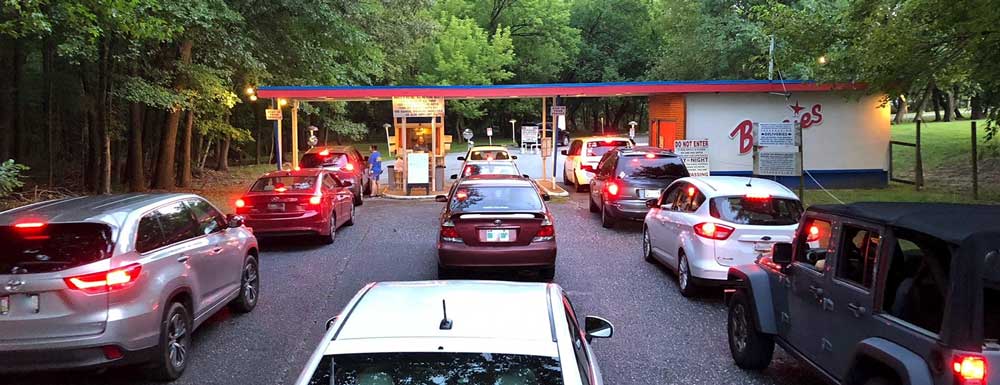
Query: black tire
[(249, 287), (880, 381), (367, 188), (685, 284), (547, 274), (358, 198), (593, 206), (350, 221), (751, 349), (173, 353), (607, 220), (565, 178), (332, 236), (647, 247), (581, 187), (445, 273)]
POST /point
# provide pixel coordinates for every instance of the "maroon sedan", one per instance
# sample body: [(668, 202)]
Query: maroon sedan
[(303, 202), (493, 222)]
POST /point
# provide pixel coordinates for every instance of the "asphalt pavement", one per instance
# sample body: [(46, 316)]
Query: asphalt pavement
[(660, 337)]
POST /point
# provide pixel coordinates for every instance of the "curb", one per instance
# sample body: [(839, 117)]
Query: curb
[(557, 192)]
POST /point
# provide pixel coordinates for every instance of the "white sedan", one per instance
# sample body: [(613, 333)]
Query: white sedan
[(702, 225)]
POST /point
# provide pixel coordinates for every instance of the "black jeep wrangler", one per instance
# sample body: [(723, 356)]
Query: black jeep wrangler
[(877, 293)]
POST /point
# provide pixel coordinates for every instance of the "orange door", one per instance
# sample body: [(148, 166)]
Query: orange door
[(663, 134)]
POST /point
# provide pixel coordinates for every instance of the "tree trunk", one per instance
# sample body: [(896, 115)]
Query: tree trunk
[(204, 154), (48, 59), (20, 139), (919, 113), (136, 167), (168, 144), (223, 161), (6, 99), (901, 110), (949, 102), (259, 131), (104, 116), (185, 178), (936, 103), (976, 104)]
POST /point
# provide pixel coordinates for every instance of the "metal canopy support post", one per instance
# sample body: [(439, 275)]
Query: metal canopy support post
[(544, 122), (556, 101), (277, 135), (403, 145), (433, 156), (802, 162), (295, 134)]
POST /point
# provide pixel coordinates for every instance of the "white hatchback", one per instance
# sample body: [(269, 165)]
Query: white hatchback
[(700, 226)]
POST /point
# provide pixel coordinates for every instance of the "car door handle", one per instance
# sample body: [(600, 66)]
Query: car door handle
[(816, 291), (216, 251), (856, 309), (183, 258)]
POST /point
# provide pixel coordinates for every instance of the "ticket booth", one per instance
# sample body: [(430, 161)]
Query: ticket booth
[(419, 144)]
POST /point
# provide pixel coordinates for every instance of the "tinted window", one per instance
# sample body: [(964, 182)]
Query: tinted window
[(656, 167), (53, 247), (757, 211), (317, 160), (437, 368), (329, 183), (814, 243), (285, 183), (486, 199), (688, 199), (149, 235), (918, 280), (209, 219), (857, 255), (491, 168), (489, 155), (579, 346), (177, 223), (607, 164), (600, 147)]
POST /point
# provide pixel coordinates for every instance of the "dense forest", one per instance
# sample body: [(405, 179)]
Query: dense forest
[(131, 95)]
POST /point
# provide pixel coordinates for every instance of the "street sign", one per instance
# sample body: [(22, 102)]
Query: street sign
[(631, 129), (529, 134), (546, 148), (557, 110), (776, 134), (694, 154), (778, 162), (467, 134), (417, 106), (417, 168), (272, 114), (489, 131)]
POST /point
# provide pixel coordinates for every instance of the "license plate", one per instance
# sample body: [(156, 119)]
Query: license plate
[(498, 235), (652, 194), (4, 305), (762, 246), (276, 206)]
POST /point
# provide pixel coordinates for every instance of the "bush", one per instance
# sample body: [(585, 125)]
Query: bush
[(10, 176)]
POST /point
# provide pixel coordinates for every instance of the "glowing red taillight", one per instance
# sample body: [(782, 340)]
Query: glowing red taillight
[(969, 370), (324, 153), (546, 231), (240, 203), (29, 225), (104, 282), (714, 231), (448, 232), (613, 189), (315, 199), (349, 167), (813, 234)]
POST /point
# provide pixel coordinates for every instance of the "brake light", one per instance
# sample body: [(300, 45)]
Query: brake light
[(324, 153), (461, 195), (813, 235), (758, 195), (297, 168), (587, 167), (650, 155), (315, 199), (349, 167), (714, 231), (29, 225), (448, 232), (969, 370), (691, 191), (240, 203), (107, 281), (607, 140), (546, 232), (613, 188)]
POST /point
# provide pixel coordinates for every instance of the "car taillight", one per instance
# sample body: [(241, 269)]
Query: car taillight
[(106, 281), (315, 199), (813, 234), (758, 196), (587, 167), (613, 188), (349, 167), (713, 230), (29, 225), (448, 232), (969, 370), (546, 232), (240, 203)]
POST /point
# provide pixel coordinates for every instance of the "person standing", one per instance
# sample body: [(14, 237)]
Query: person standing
[(375, 169)]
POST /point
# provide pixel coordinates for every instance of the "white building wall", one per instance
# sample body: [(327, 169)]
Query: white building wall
[(852, 132)]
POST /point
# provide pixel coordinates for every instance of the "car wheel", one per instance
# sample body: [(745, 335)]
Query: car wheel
[(350, 221), (593, 206), (368, 188), (249, 287), (751, 349), (684, 284), (581, 187), (445, 273), (328, 239), (547, 274), (175, 343), (358, 198), (647, 247), (607, 221)]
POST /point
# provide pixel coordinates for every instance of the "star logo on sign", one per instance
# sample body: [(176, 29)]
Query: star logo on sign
[(796, 108)]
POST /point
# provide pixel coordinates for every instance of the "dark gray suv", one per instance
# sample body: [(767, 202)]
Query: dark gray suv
[(877, 294), (626, 178), (118, 279)]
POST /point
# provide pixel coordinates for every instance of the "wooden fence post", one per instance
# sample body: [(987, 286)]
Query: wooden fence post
[(975, 165), (919, 164)]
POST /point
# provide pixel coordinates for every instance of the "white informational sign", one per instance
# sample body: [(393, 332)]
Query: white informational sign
[(776, 134), (489, 131), (557, 110), (778, 162), (418, 168), (417, 106), (272, 114), (529, 134), (547, 148), (694, 153), (561, 122)]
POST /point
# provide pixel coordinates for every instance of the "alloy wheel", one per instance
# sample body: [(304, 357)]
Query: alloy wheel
[(645, 244), (739, 332), (251, 282), (682, 273), (177, 339)]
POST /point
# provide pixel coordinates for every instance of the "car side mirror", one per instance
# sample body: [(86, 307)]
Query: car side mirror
[(330, 322), (651, 203), (781, 253), (346, 183), (441, 198), (564, 152), (546, 197), (513, 157), (525, 175), (454, 176), (598, 327), (461, 158), (234, 220)]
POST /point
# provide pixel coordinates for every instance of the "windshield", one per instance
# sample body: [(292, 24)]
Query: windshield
[(52, 247), (655, 167), (600, 147), (437, 369), (317, 160), (499, 198), (498, 169), (757, 211), (489, 155), (285, 184)]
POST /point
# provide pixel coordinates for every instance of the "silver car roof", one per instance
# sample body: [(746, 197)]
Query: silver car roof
[(713, 186), (110, 209)]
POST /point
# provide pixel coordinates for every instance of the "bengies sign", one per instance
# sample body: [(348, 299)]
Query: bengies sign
[(417, 106)]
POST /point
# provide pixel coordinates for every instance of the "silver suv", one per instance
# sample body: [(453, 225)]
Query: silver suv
[(118, 279)]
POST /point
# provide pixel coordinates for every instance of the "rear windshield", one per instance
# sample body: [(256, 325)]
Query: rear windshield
[(489, 199), (655, 167), (285, 184), (491, 169), (600, 147), (437, 368), (489, 155), (756, 211), (52, 247), (317, 160)]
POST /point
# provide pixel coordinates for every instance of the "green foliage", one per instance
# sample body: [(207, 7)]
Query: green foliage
[(10, 176)]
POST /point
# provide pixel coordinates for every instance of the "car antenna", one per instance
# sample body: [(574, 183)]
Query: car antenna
[(750, 181), (445, 322)]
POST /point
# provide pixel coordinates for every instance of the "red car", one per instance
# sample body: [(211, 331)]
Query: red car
[(311, 201), (496, 221)]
